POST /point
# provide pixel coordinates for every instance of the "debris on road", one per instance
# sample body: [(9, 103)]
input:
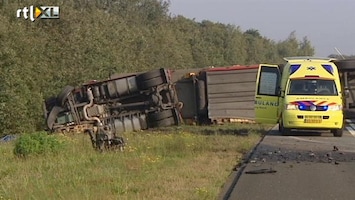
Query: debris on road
[(261, 171), (281, 155), (311, 154), (335, 148)]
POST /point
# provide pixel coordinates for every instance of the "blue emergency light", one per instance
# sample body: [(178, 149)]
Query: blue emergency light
[(294, 68), (302, 107), (328, 68)]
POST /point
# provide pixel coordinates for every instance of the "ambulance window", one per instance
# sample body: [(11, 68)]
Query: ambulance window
[(312, 87), (269, 81)]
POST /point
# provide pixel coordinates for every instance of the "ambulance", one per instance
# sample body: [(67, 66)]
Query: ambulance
[(303, 94)]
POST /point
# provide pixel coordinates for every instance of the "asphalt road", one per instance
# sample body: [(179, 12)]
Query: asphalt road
[(302, 166)]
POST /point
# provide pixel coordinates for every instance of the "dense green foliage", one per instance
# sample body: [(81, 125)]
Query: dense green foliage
[(95, 38), (37, 144)]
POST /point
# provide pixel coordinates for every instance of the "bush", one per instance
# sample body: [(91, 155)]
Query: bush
[(37, 144)]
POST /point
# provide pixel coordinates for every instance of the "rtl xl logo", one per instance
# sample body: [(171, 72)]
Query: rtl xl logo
[(42, 12)]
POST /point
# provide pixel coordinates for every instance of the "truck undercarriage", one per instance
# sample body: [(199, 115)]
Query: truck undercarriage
[(104, 109)]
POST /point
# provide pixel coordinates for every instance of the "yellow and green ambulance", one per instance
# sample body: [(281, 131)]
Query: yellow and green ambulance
[(303, 94)]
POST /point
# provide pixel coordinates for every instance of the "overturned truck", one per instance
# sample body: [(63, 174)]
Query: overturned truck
[(103, 109), (131, 102)]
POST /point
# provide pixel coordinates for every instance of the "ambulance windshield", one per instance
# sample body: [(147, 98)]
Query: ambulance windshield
[(312, 87)]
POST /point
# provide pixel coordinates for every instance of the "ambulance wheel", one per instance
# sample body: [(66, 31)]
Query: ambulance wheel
[(345, 64), (337, 132), (284, 131)]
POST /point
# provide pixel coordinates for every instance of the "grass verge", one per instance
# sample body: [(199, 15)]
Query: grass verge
[(187, 162)]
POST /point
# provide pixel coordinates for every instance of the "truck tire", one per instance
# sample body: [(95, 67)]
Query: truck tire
[(161, 115), (164, 122), (63, 95), (149, 75), (51, 102), (346, 64), (53, 116), (144, 85)]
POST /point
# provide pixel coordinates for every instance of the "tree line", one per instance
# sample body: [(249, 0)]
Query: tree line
[(95, 38)]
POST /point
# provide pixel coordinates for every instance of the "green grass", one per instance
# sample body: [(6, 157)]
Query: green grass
[(187, 162)]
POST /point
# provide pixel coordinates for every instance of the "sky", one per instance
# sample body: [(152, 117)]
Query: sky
[(328, 24)]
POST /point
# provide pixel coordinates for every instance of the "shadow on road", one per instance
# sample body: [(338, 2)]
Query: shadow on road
[(302, 133)]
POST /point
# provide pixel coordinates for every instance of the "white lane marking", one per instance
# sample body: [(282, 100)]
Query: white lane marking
[(350, 127), (307, 140), (351, 131)]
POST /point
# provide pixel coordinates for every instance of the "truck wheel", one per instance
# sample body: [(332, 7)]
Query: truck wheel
[(63, 95), (53, 116), (51, 102), (150, 83), (164, 122), (337, 132), (346, 64), (149, 75), (161, 115)]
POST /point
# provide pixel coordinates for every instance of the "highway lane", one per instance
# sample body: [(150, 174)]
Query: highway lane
[(350, 127), (302, 166)]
